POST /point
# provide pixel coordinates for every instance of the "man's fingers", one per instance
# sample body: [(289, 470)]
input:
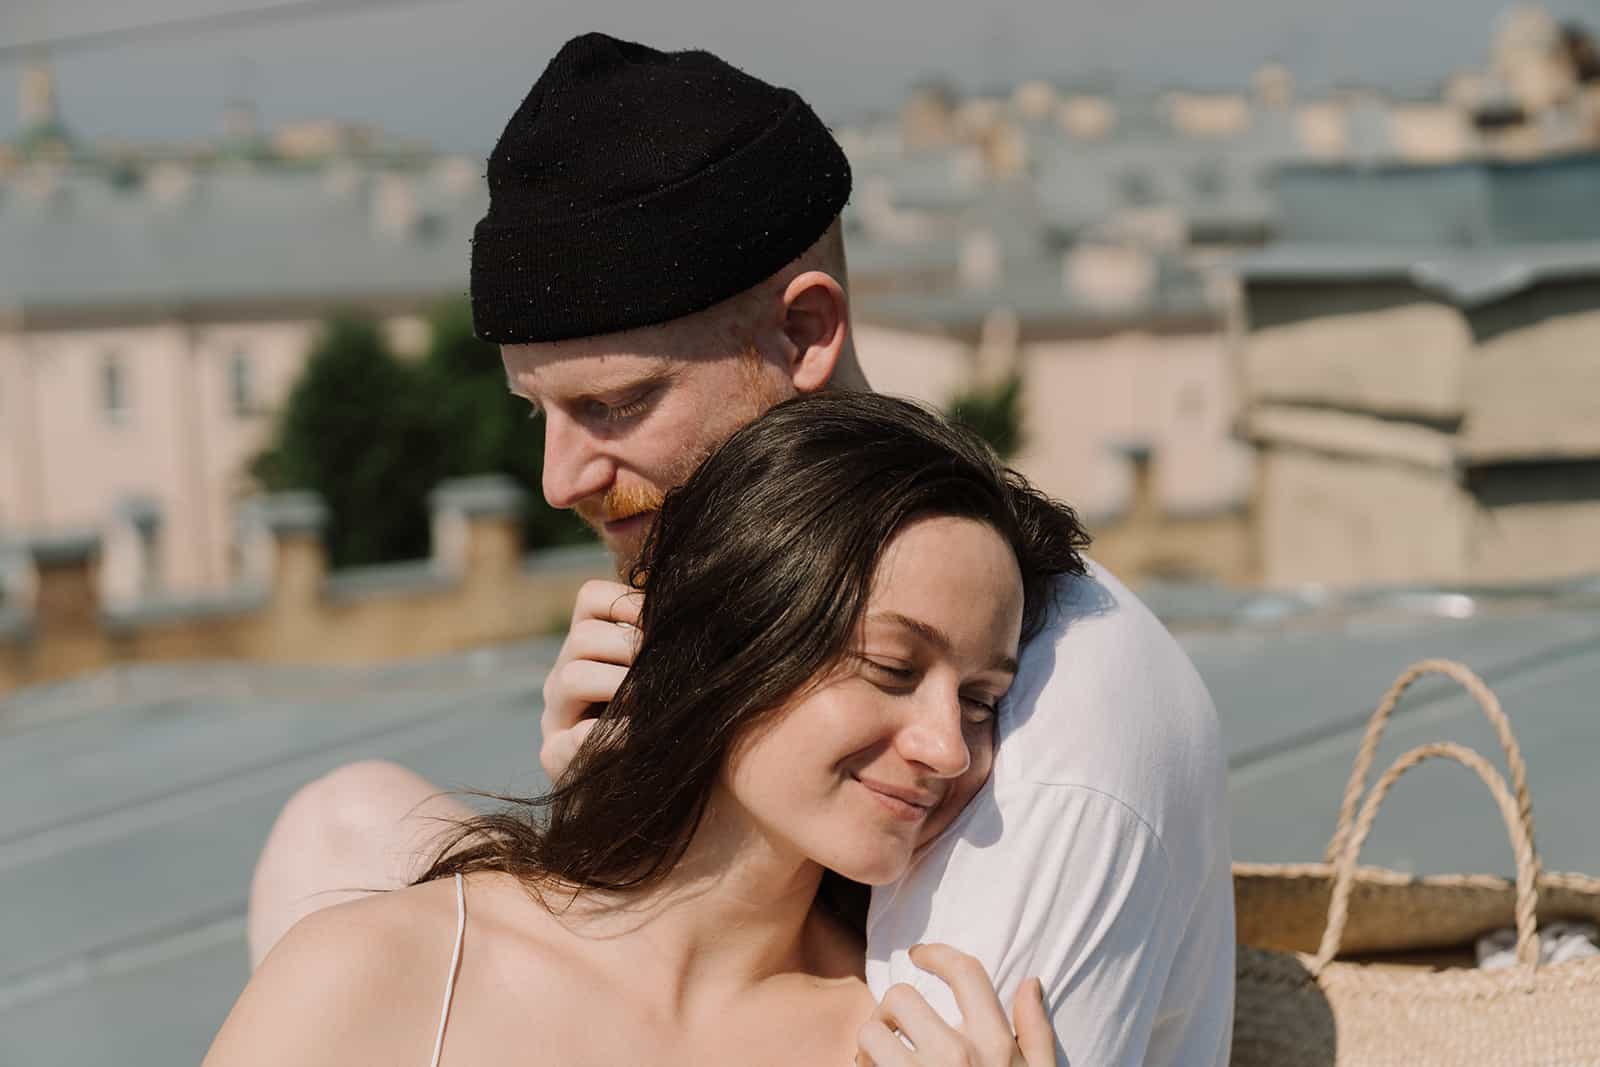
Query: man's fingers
[(609, 601), (1035, 1037), (983, 1019), (602, 641), (558, 751), (573, 688)]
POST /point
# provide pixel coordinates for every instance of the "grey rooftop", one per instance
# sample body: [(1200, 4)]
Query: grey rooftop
[(185, 238), (1466, 277)]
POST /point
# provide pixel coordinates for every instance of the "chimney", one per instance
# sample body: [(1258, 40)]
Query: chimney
[(66, 597), (1109, 277), (280, 542), (477, 528), (37, 98), (130, 565)]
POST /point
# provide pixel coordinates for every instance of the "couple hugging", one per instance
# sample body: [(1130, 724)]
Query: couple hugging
[(883, 771)]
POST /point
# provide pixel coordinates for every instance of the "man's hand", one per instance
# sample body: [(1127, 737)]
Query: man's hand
[(905, 1031), (594, 659)]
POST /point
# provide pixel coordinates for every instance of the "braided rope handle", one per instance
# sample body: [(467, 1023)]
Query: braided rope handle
[(1517, 822), (1487, 701)]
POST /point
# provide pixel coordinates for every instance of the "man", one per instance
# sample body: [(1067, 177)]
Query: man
[(661, 262)]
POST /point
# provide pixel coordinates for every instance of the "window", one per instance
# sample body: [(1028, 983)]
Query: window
[(114, 388), (241, 383)]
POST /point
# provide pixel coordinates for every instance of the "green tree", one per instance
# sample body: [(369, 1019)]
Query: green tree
[(373, 434), (486, 430), (993, 412), (358, 430)]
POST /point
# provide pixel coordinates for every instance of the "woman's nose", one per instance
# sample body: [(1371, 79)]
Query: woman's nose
[(934, 738)]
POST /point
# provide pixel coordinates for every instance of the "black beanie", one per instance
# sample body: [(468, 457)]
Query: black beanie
[(634, 186)]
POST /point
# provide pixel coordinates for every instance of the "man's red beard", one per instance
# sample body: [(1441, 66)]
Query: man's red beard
[(620, 502), (755, 393)]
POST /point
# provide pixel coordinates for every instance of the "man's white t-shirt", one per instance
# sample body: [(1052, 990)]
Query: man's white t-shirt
[(1096, 857)]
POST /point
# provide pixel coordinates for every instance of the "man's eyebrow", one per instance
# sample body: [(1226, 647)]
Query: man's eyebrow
[(660, 374), (937, 637)]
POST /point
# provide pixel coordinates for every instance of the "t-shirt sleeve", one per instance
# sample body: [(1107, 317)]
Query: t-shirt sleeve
[(1091, 907), (1096, 858)]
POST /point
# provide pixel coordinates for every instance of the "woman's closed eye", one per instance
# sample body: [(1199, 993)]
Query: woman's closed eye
[(979, 708), (890, 673)]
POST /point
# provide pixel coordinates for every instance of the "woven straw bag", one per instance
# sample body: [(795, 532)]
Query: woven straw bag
[(1347, 965)]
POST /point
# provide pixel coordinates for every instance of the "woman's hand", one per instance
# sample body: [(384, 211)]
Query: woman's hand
[(986, 1037)]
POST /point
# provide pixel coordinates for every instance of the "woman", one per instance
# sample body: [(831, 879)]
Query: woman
[(834, 606)]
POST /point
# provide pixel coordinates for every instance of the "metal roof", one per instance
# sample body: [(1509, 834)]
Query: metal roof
[(180, 238), (1471, 203), (1466, 277)]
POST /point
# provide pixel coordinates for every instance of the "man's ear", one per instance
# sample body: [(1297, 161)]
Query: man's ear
[(816, 323)]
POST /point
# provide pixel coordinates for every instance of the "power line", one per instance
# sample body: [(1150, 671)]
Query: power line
[(191, 25)]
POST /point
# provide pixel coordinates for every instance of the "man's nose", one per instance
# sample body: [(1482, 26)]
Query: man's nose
[(934, 737), (574, 469)]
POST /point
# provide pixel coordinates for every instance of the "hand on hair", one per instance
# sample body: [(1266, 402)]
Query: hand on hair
[(905, 1031), (594, 658)]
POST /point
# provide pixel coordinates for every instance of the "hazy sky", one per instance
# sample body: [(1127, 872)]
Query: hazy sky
[(452, 71)]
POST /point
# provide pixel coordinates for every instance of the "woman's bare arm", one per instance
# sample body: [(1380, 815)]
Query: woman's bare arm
[(353, 983)]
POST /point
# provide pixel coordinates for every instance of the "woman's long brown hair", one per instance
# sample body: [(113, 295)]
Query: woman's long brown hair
[(755, 576)]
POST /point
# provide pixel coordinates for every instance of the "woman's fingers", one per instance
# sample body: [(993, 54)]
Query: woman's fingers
[(983, 1019), (936, 1041), (1035, 1037), (879, 1046)]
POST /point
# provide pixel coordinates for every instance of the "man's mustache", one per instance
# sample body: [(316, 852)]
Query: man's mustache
[(622, 502)]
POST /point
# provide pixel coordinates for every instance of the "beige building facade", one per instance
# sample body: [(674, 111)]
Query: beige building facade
[(167, 413), (1428, 421), (1128, 417), (150, 331)]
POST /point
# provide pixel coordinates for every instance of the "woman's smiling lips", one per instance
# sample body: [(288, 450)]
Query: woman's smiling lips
[(907, 804)]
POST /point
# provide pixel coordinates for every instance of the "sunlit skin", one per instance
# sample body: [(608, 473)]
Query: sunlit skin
[(629, 415), (877, 759), (622, 428)]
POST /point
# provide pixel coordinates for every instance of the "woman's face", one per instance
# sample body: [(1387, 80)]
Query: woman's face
[(887, 749)]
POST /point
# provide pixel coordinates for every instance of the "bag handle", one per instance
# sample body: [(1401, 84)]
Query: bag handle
[(1517, 822), (1487, 701)]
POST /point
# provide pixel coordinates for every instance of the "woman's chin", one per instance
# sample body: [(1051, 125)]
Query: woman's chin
[(870, 869)]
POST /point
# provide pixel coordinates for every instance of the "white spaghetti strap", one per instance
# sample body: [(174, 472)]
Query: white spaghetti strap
[(455, 964)]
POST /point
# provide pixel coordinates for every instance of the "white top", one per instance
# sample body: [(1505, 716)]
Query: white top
[(455, 966), (1097, 855)]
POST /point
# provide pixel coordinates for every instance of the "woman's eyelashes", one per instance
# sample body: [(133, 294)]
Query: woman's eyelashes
[(897, 676), (891, 675)]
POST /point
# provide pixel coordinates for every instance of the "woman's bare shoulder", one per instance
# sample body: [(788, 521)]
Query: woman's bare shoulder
[(355, 982)]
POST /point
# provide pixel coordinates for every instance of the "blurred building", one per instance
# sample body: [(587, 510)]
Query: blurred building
[(1421, 374), (153, 319), (1126, 401), (78, 603)]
